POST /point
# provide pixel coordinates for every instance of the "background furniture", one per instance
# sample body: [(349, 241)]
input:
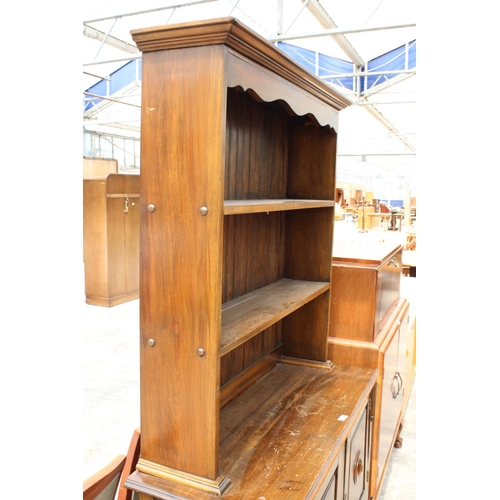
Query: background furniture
[(237, 393), (103, 485), (109, 482), (370, 327), (374, 220), (111, 239), (364, 221), (99, 167)]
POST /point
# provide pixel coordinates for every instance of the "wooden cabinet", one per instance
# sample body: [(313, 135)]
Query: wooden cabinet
[(365, 287), (358, 455), (111, 239), (369, 327), (99, 167), (238, 153), (298, 432), (392, 388)]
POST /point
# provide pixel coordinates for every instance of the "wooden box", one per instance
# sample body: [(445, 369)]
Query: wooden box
[(364, 287)]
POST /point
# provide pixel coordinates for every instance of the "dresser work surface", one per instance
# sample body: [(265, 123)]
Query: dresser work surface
[(280, 438)]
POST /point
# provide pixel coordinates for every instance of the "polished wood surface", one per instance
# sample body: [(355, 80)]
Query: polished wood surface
[(238, 154), (364, 288), (388, 354), (181, 257), (280, 439), (111, 239), (245, 44), (249, 314)]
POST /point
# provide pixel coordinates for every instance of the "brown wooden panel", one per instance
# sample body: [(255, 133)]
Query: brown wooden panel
[(132, 226), (312, 161), (243, 356), (123, 184), (111, 239), (353, 303), (348, 352), (250, 375), (116, 246), (305, 331), (95, 249), (256, 149), (253, 252), (309, 238), (182, 170), (248, 315)]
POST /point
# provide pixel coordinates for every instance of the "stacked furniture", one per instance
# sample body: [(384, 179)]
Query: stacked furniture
[(370, 327), (99, 167), (111, 238), (238, 396)]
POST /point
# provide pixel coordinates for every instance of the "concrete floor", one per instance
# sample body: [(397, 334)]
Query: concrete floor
[(111, 388)]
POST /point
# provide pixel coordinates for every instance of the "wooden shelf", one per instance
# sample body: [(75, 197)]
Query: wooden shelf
[(234, 207), (248, 315)]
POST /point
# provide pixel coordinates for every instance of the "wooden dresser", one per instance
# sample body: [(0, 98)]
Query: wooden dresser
[(238, 397), (369, 327), (111, 239)]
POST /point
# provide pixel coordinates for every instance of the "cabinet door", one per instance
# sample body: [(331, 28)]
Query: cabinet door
[(402, 350), (392, 400), (358, 449), (334, 487)]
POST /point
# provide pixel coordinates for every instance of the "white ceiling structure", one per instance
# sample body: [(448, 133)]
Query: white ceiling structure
[(377, 134)]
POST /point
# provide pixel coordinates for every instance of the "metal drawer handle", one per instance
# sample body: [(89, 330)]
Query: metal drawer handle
[(401, 380), (393, 390), (394, 262)]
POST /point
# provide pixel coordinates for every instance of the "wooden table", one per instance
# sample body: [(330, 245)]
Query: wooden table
[(400, 218), (384, 216)]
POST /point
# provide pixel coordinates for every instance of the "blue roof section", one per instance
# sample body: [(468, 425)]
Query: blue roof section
[(321, 64), (128, 73), (401, 58)]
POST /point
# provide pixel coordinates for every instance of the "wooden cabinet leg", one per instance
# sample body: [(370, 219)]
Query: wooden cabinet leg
[(398, 443)]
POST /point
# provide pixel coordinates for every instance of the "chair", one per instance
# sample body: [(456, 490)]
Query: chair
[(109, 482), (104, 484), (133, 453)]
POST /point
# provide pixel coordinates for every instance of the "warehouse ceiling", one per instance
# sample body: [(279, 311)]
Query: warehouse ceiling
[(377, 136)]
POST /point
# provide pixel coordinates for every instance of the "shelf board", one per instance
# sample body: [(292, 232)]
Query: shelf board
[(250, 314), (234, 207)]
